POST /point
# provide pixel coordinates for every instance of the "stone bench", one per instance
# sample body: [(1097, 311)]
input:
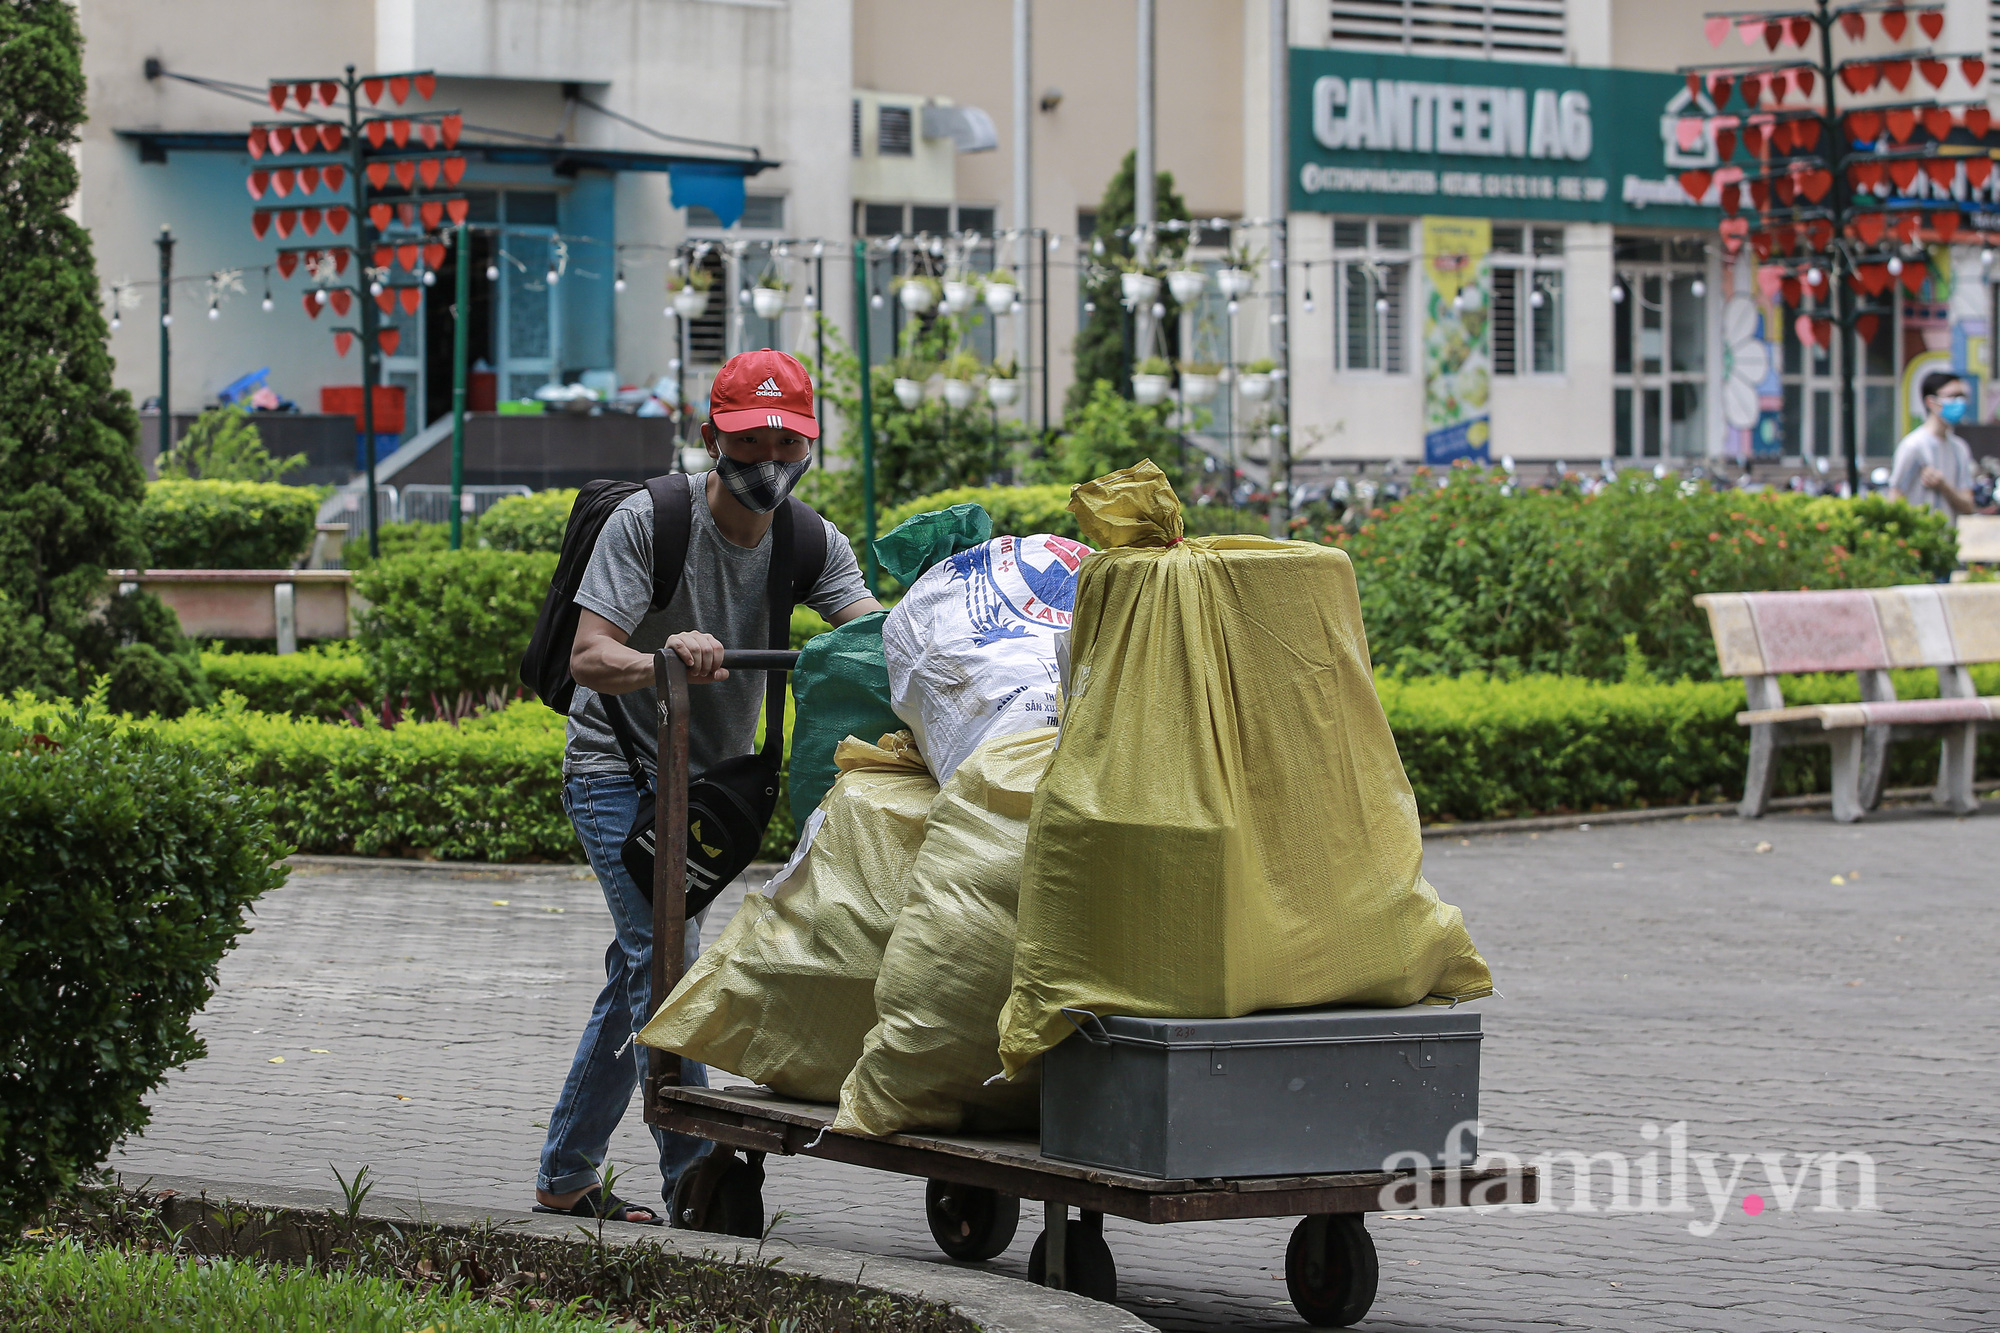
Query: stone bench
[(1763, 636)]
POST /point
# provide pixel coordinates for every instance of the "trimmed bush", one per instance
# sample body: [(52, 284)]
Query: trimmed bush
[(401, 539), (1015, 510), (128, 855), (451, 621), (227, 524), (528, 522), (322, 681)]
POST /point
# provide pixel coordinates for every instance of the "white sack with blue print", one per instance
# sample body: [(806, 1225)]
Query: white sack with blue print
[(971, 648)]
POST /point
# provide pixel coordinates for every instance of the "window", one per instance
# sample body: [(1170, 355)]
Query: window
[(763, 212), (1527, 300), (881, 219), (1481, 29), (854, 127), (1659, 360), (892, 131), (975, 219), (1371, 281), (930, 219), (1086, 222), (708, 335)]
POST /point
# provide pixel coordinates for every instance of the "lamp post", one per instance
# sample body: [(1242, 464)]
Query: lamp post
[(166, 244)]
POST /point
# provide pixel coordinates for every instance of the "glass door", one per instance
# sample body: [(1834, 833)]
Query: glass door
[(527, 323), (1659, 348)]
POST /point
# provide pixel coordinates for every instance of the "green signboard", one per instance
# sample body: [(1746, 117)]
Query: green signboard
[(1411, 135)]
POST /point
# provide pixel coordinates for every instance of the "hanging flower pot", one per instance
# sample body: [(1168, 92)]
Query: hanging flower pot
[(917, 297), (1254, 385), (768, 302), (1001, 295), (1003, 393), (957, 297), (691, 302), (1197, 387), (958, 394), (1233, 282), (1139, 288), (1187, 284), (1148, 390), (909, 392)]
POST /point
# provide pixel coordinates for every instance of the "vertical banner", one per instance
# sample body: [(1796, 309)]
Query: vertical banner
[(1458, 358)]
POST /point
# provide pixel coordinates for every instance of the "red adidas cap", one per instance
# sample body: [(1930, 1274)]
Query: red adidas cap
[(763, 388)]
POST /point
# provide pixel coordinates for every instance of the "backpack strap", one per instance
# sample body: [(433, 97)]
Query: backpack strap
[(777, 584), (808, 556), (673, 521)]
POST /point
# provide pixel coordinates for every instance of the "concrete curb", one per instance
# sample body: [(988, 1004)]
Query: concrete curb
[(991, 1301), (1717, 809)]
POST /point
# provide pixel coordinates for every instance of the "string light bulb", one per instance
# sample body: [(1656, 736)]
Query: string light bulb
[(1537, 300), (319, 297), (1381, 305), (1813, 278), (554, 277), (493, 273), (1617, 295), (166, 321), (214, 311), (812, 301), (1159, 310), (430, 277), (1090, 307), (1895, 266), (374, 289), (1233, 307), (267, 303), (115, 321), (618, 283), (1986, 257), (1698, 288), (875, 301)]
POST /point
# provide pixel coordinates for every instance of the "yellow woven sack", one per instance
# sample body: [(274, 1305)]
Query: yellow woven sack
[(948, 965), (1226, 826), (787, 993)]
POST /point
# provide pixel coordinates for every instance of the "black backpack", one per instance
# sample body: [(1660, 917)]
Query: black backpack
[(730, 805)]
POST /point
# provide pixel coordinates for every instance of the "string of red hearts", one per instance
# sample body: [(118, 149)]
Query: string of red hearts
[(1773, 29)]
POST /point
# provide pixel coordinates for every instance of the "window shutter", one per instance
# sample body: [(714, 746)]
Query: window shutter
[(1526, 30)]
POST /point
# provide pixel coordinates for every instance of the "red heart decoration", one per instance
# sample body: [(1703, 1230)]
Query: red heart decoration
[(336, 176), (1719, 88), (399, 130), (1806, 79), (1913, 276), (373, 88), (1978, 170), (407, 256), (375, 130), (407, 212), (1895, 23), (1760, 195), (312, 304), (310, 217), (342, 340), (1875, 277), (281, 181), (260, 223), (336, 220), (1696, 183), (454, 169), (1860, 76), (456, 209), (1753, 139), (427, 171), (1760, 241), (330, 137), (302, 93), (1906, 227), (389, 340), (427, 130), (451, 125), (1945, 224), (1932, 22), (387, 300), (1864, 126), (1938, 121), (1978, 120), (1805, 133), (257, 183), (255, 143), (1781, 137), (1897, 72), (1904, 173), (1773, 34), (287, 261), (1725, 145), (280, 137), (1902, 123), (276, 94), (1822, 332), (1789, 290), (308, 179), (1753, 90), (406, 173), (399, 89), (1854, 25), (433, 212), (385, 255), (1866, 325), (1732, 198), (339, 255), (1820, 232), (310, 137), (434, 254), (343, 300), (1935, 72), (329, 92), (1785, 188), (1973, 68), (379, 214), (1801, 28), (426, 85), (412, 298), (1941, 170), (1779, 85), (1858, 177), (378, 174), (1816, 183)]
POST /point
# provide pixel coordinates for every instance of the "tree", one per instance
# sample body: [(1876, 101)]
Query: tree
[(1110, 432), (1100, 344), (70, 483), (224, 445)]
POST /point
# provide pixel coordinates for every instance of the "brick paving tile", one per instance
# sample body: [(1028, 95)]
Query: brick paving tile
[(1651, 974)]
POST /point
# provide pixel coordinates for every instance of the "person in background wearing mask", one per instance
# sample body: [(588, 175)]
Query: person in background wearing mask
[(760, 432), (1933, 466)]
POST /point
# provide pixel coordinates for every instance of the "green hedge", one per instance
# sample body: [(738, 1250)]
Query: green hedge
[(528, 522), (1016, 510), (323, 681), (451, 621), (227, 524), (128, 855)]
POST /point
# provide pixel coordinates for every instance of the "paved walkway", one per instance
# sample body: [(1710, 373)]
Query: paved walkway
[(1834, 990)]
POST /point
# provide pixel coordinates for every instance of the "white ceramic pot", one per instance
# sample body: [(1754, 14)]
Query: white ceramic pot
[(1003, 393), (1233, 282), (916, 298), (1000, 297), (958, 394), (1139, 288), (691, 302), (1187, 284), (1255, 387), (957, 297), (909, 392), (769, 302), (1148, 390), (1197, 388)]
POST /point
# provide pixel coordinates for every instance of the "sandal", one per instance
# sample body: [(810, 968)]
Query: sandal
[(609, 1207)]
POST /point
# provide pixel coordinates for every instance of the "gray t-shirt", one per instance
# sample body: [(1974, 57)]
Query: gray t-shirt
[(1921, 449), (721, 593)]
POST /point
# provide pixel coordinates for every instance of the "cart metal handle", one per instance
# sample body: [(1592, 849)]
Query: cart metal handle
[(759, 659), (1099, 1037)]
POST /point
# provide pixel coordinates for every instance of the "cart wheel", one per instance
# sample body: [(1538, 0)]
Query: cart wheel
[(968, 1222), (735, 1208), (1330, 1269), (1088, 1267)]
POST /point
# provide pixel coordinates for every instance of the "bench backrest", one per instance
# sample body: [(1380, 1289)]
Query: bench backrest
[(1860, 629)]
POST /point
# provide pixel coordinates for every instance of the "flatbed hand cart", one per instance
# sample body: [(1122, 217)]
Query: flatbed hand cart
[(976, 1183)]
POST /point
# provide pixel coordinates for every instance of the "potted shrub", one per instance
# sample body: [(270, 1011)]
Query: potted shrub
[(1199, 381), (1002, 292), (1255, 381), (1151, 379), (919, 293), (909, 375), (1138, 287), (768, 297), (1187, 284), (960, 369), (958, 294), (1235, 279), (690, 292)]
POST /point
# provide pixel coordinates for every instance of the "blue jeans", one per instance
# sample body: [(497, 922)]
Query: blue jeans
[(598, 1090)]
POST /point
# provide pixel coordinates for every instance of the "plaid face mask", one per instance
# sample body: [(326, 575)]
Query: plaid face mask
[(760, 487)]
